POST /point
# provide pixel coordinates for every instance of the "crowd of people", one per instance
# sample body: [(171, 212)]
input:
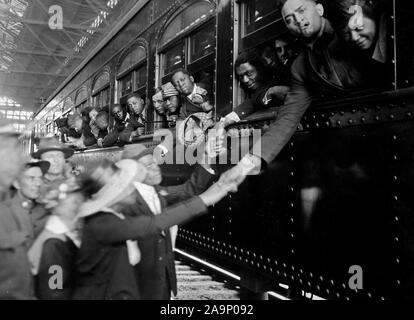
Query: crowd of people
[(109, 234)]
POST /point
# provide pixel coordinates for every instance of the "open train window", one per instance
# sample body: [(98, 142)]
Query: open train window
[(67, 106), (81, 99), (188, 41), (132, 72), (100, 91)]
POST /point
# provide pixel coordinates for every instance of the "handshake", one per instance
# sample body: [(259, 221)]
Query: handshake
[(231, 179)]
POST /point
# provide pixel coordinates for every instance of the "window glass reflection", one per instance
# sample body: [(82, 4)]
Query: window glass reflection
[(202, 43), (172, 59)]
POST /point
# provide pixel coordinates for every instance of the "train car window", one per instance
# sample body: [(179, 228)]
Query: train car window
[(100, 91), (202, 43), (172, 58), (257, 14), (132, 72), (81, 98), (67, 106), (186, 20)]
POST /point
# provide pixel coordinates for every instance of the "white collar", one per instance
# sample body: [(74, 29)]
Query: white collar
[(190, 96), (55, 225), (150, 196)]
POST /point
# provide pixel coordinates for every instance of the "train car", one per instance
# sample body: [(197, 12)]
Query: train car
[(333, 214)]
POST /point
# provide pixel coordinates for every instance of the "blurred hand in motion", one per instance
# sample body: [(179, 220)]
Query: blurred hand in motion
[(217, 192), (215, 140), (249, 165)]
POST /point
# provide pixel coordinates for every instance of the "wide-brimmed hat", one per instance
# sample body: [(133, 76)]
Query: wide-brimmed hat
[(43, 165), (116, 188), (136, 151), (51, 144), (6, 127)]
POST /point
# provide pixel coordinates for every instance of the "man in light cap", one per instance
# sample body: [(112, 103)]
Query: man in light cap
[(15, 278), (172, 102), (56, 154), (156, 272)]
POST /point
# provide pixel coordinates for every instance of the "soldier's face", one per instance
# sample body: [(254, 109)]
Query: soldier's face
[(135, 105), (57, 161), (283, 50), (183, 83), (361, 31), (248, 76), (118, 113), (30, 182), (303, 18)]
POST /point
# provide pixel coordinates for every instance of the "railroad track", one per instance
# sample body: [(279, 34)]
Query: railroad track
[(201, 280), (196, 282)]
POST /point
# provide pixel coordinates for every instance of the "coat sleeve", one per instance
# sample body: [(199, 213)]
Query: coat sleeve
[(288, 118), (199, 181), (244, 109), (109, 229), (110, 139)]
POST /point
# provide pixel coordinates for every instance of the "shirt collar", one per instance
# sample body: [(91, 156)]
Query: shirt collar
[(190, 96), (56, 225)]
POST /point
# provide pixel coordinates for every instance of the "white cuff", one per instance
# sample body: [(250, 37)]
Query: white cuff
[(233, 117)]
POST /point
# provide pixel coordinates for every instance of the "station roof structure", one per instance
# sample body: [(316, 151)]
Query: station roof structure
[(36, 55)]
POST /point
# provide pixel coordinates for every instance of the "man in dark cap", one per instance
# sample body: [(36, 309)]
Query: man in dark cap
[(15, 278), (24, 203)]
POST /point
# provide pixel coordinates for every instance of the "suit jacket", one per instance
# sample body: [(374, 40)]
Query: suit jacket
[(156, 272), (329, 68), (56, 253), (102, 269)]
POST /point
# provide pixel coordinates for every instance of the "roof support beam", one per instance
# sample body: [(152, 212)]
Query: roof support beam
[(42, 53), (42, 43), (35, 72), (46, 23)]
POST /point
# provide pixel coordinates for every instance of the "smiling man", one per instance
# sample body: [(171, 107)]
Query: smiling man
[(325, 67)]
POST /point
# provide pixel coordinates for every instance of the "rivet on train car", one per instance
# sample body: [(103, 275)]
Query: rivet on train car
[(292, 235), (353, 110), (327, 123), (292, 158), (300, 281), (377, 118), (341, 113), (318, 287), (398, 282), (338, 122), (321, 278), (314, 116), (392, 116), (350, 121), (292, 251), (409, 114), (363, 119), (327, 291), (278, 272), (317, 125), (397, 261), (396, 239), (395, 158)]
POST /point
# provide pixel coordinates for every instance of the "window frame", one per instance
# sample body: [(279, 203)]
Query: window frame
[(95, 92)]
